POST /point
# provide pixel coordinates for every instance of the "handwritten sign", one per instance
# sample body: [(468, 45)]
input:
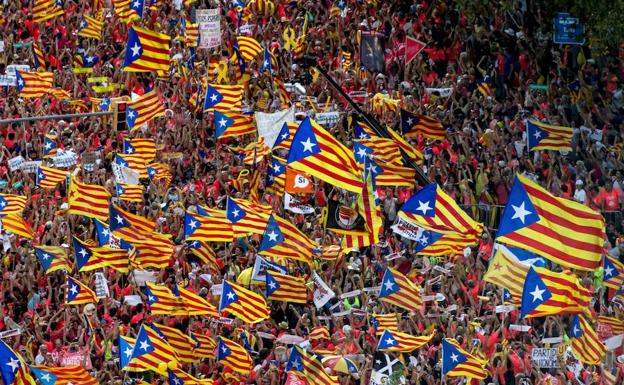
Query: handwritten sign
[(16, 163), (545, 357), (31, 167), (209, 21), (323, 293)]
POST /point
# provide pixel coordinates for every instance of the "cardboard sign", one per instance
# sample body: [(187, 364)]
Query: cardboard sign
[(209, 21), (31, 167), (545, 357), (16, 163)]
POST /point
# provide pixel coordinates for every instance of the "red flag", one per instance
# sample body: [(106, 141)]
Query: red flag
[(412, 48)]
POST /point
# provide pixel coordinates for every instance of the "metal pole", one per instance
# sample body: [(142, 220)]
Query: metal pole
[(54, 117), (420, 176)]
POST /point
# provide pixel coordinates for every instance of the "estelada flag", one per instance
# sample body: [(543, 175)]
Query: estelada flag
[(298, 182)]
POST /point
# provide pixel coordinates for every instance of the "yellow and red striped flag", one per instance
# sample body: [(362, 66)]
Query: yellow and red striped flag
[(45, 10), (90, 257), (90, 27), (411, 151), (436, 244), (223, 98), (311, 366), (564, 231), (53, 258), (16, 372), (234, 356), (33, 84), (78, 293), (543, 136), (383, 322), (65, 375), (129, 226), (315, 151), (147, 51), (615, 325), (585, 343), (135, 162), (144, 110), (214, 227), (143, 147), (249, 47), (246, 217), (233, 124), (163, 301), (127, 11), (507, 272), (283, 239), (49, 177), (613, 272), (319, 333), (38, 57), (190, 31), (456, 362), (204, 253), (384, 149), (414, 124), (16, 224), (398, 290), (392, 341), (181, 343), (159, 171), (88, 200), (154, 251), (243, 303), (285, 288), (12, 204), (205, 346), (151, 351), (129, 192), (196, 305)]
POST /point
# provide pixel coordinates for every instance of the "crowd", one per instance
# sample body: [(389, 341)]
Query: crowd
[(506, 45)]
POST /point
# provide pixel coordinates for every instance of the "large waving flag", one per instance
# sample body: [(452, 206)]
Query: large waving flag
[(50, 177), (283, 239), (585, 343), (248, 47), (456, 362), (207, 228), (285, 288), (315, 151), (88, 200), (204, 253), (246, 217), (433, 209), (613, 272), (143, 110), (543, 136), (194, 304), (564, 231), (12, 204), (13, 369), (93, 257), (129, 226), (205, 346), (182, 344), (16, 224), (154, 251), (143, 147), (383, 322), (243, 303), (151, 351), (234, 356), (392, 341), (233, 124), (147, 51), (126, 347), (90, 27), (129, 192), (507, 272), (414, 124), (311, 366), (67, 375), (129, 10), (33, 84), (163, 301), (43, 10), (78, 293), (398, 290), (549, 293), (223, 98), (53, 258)]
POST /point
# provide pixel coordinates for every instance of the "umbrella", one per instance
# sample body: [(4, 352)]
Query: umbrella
[(340, 364)]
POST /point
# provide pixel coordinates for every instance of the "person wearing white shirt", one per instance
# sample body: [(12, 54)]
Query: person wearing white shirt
[(579, 193)]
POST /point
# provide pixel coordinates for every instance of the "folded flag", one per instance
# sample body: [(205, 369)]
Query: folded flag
[(143, 110), (66, 375), (507, 272), (613, 272), (393, 341), (50, 147), (543, 136), (223, 98), (234, 356), (549, 293), (143, 147), (233, 124), (456, 362), (243, 303), (177, 376), (151, 351), (14, 370), (147, 51), (204, 253), (285, 288), (285, 136), (90, 27), (315, 151), (33, 84), (15, 223), (12, 204), (414, 124), (126, 348), (88, 200), (398, 290), (383, 149), (614, 325), (129, 192), (433, 209), (383, 322), (159, 171), (585, 343), (163, 301), (564, 231), (43, 10), (53, 258), (283, 239), (78, 293), (129, 10)]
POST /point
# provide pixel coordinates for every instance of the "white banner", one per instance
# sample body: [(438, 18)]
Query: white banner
[(10, 78), (261, 265), (350, 294), (269, 125), (614, 342), (16, 163), (65, 158), (101, 286), (407, 230), (545, 358), (125, 175), (323, 293), (292, 204), (142, 276), (132, 300), (443, 92), (31, 167), (209, 21), (327, 118)]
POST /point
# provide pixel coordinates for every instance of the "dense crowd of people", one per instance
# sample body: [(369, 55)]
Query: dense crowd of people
[(507, 45)]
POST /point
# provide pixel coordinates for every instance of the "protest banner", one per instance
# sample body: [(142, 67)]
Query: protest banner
[(270, 125), (545, 357), (16, 163), (10, 77), (323, 293), (209, 21)]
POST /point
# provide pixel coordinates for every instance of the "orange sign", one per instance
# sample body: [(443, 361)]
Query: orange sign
[(298, 182)]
